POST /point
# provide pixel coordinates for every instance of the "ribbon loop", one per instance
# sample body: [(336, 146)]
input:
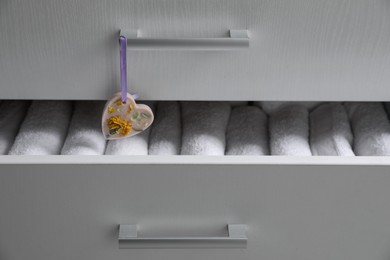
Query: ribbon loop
[(123, 67)]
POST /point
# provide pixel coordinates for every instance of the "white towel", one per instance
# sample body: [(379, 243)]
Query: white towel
[(247, 132), (12, 114), (135, 145), (330, 132), (370, 127), (85, 131), (289, 131), (165, 136), (272, 106), (44, 129), (204, 126)]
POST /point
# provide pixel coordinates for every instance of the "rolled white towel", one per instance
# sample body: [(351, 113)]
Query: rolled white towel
[(134, 145), (330, 132), (272, 106), (247, 132), (370, 127), (12, 114), (165, 136), (204, 126), (85, 133), (289, 131), (44, 129)]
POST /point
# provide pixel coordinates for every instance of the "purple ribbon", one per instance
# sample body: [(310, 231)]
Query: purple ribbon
[(123, 67)]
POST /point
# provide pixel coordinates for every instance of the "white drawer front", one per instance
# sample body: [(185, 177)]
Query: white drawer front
[(292, 212), (299, 50)]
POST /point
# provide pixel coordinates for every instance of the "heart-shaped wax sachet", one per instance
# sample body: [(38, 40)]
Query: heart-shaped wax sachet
[(122, 120)]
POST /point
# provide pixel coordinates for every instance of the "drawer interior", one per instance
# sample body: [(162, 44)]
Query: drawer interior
[(208, 128)]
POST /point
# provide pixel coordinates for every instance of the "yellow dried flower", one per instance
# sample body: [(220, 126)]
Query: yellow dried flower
[(111, 109), (129, 110), (117, 125), (119, 103)]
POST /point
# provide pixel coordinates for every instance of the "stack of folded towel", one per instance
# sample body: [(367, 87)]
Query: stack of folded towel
[(201, 128), (85, 134), (44, 129), (204, 127), (370, 127), (330, 132), (165, 136), (289, 131), (12, 114), (247, 132)]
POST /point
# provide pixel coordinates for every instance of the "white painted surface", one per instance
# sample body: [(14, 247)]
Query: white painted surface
[(195, 160), (293, 212), (300, 49)]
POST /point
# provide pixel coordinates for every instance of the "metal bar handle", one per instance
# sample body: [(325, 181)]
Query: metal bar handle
[(238, 39), (128, 238)]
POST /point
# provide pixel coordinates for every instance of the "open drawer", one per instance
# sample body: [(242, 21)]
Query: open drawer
[(293, 207)]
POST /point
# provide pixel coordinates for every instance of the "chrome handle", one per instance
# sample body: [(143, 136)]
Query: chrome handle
[(128, 238), (238, 39)]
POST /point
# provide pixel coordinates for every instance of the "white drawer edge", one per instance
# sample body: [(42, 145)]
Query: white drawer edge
[(195, 160)]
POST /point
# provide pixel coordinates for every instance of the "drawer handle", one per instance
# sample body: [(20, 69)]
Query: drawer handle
[(238, 39), (128, 238)]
